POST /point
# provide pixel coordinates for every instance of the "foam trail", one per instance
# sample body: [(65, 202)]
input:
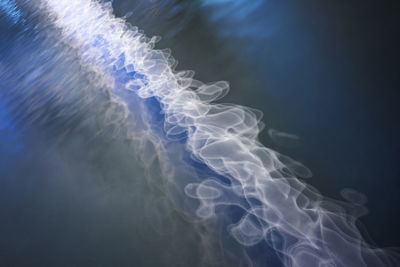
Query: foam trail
[(279, 210)]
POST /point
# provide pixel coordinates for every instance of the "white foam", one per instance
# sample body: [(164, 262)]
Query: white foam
[(315, 231)]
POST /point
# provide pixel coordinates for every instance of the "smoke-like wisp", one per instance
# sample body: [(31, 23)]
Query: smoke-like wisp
[(216, 141)]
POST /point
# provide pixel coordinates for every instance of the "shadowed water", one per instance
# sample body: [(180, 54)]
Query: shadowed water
[(64, 160)]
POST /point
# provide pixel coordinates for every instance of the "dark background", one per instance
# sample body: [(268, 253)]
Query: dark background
[(326, 71)]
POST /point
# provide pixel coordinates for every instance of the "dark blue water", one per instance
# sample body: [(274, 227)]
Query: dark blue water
[(326, 72)]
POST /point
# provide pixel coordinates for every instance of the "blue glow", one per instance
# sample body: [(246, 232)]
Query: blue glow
[(10, 8), (241, 18), (238, 9)]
